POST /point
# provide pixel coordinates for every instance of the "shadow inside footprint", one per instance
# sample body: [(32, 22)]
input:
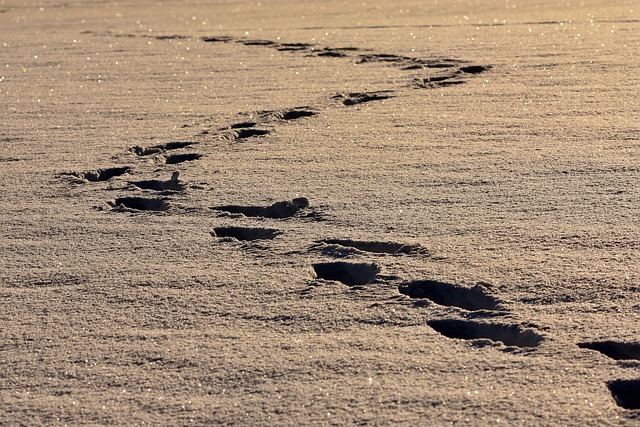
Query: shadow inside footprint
[(246, 233), (243, 125), (351, 274), (172, 184), (510, 335), (279, 210), (258, 42), (475, 69), (296, 114), (626, 393), (179, 158), (294, 46), (248, 133), (141, 204), (614, 350), (447, 294), (100, 174)]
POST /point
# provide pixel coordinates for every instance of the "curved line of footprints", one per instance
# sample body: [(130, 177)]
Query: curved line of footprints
[(473, 301)]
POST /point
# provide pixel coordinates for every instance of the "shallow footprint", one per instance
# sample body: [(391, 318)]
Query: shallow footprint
[(355, 98), (377, 247), (145, 151)]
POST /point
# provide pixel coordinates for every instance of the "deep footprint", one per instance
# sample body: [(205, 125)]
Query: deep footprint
[(141, 204), (447, 294), (100, 174), (356, 98), (626, 393), (377, 247), (145, 151), (285, 209), (351, 274), (179, 158), (172, 184), (510, 335), (246, 233), (615, 350)]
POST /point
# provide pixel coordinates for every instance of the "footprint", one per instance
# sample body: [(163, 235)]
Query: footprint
[(219, 39), (351, 274), (172, 184), (421, 64), (626, 393), (141, 204), (446, 80), (142, 151), (247, 129), (437, 81), (170, 37), (294, 46), (100, 174), (247, 133), (475, 69), (408, 62), (280, 210), (384, 57), (377, 247), (293, 114), (362, 97), (337, 52), (257, 42), (472, 299), (615, 350), (333, 53), (246, 233), (510, 335), (179, 158), (243, 125)]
